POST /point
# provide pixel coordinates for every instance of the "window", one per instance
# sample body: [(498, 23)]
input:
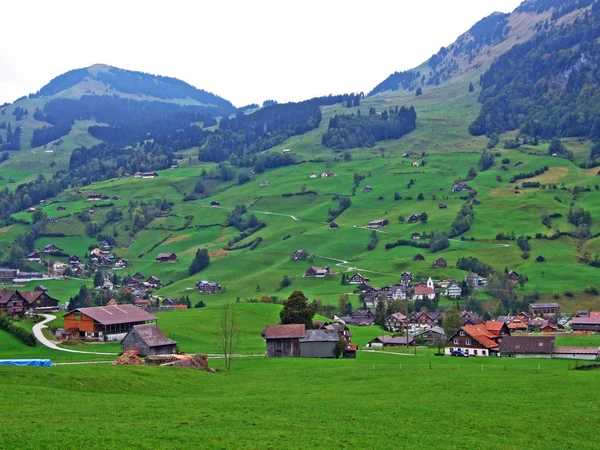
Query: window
[(456, 342), (462, 333), (483, 352), (468, 342), (475, 352), (77, 316)]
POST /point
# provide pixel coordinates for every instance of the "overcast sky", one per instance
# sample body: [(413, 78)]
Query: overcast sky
[(243, 50)]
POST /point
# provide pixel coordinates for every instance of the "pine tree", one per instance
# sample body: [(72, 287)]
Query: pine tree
[(201, 261), (471, 87)]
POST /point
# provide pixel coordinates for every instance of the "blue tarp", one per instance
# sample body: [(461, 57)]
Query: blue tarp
[(26, 362)]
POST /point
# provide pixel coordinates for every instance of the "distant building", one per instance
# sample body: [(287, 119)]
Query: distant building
[(378, 224), (166, 257), (148, 340), (318, 344), (283, 340)]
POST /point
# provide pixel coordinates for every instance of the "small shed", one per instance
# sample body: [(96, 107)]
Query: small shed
[(284, 340), (148, 340), (318, 344)]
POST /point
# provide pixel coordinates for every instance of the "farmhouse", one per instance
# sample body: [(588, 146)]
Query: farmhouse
[(424, 319), (333, 226), (283, 340), (166, 257), (94, 197), (367, 188), (395, 321), (441, 262), (318, 344), (378, 224), (33, 257), (214, 204), (458, 187), (453, 290), (39, 300), (357, 278), (418, 257), (108, 323), (513, 276), (148, 340), (431, 334), (149, 175), (300, 254), (414, 218), (539, 325), (207, 287), (415, 236), (389, 341), (415, 164), (12, 302), (398, 292), (327, 174), (589, 353), (474, 340), (470, 318), (317, 272), (363, 317), (50, 249), (586, 324), (539, 309)]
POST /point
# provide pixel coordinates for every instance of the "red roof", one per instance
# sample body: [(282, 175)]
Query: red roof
[(594, 314), (494, 327), (481, 335), (284, 331), (420, 290)]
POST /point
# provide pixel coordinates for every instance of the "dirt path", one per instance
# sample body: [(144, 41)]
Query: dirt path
[(37, 332)]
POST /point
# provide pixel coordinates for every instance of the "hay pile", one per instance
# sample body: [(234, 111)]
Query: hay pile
[(128, 358), (198, 361)]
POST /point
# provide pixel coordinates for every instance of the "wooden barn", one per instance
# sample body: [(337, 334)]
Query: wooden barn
[(148, 340), (166, 257), (318, 344), (108, 323), (39, 300), (283, 340), (12, 302)]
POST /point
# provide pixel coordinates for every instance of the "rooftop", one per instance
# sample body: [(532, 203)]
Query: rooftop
[(284, 331), (111, 315)]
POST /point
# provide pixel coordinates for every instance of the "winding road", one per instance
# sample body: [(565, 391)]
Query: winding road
[(37, 332)]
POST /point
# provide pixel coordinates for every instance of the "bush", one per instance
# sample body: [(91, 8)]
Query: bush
[(525, 255), (591, 290), (21, 334), (568, 294)]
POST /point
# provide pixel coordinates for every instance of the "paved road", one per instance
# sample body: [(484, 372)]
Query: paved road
[(37, 331)]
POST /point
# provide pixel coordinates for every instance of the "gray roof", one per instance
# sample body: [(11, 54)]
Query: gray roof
[(152, 335), (438, 330), (320, 336), (527, 344), (110, 315), (544, 305), (400, 340)]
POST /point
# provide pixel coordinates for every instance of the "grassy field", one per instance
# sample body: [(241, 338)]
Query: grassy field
[(281, 404)]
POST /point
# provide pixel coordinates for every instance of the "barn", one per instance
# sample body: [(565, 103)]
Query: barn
[(318, 344), (283, 340), (148, 340), (107, 323)]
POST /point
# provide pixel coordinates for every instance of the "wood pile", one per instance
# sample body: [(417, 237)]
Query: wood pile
[(128, 358), (198, 361)]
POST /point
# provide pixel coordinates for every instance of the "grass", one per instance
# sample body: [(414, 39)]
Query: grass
[(273, 403)]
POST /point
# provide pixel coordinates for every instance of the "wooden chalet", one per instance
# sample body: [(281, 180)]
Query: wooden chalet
[(148, 340), (441, 262), (418, 257), (317, 272), (106, 323), (474, 340), (378, 224), (539, 309), (208, 287), (424, 319), (166, 257), (527, 346), (39, 300), (395, 321), (357, 278), (12, 302), (363, 317), (406, 277), (283, 340)]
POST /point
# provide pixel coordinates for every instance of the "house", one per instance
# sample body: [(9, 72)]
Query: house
[(112, 302), (476, 202), (363, 317), (415, 164), (458, 187), (93, 197), (357, 278), (137, 175), (378, 224), (418, 257), (517, 324), (431, 334), (415, 236), (473, 340), (53, 219), (148, 340), (341, 329), (12, 302), (300, 254), (333, 226), (138, 276), (513, 276), (175, 165), (61, 208), (40, 288), (586, 324), (313, 175), (426, 292), (406, 277), (31, 209), (350, 351), (264, 183), (527, 346), (442, 206), (398, 292), (214, 204), (51, 249), (74, 259), (539, 325), (108, 323), (497, 329), (149, 175), (539, 309), (318, 344), (475, 280), (367, 188), (414, 218), (317, 272), (389, 341), (327, 174), (283, 340), (33, 257), (166, 257), (423, 320), (154, 282), (286, 150), (116, 197), (441, 262), (39, 300), (588, 353), (207, 287), (395, 321), (470, 318), (453, 290)]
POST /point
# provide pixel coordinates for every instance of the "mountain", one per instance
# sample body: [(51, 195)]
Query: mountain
[(104, 95), (476, 50)]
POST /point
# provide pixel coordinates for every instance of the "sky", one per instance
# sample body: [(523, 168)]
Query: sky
[(245, 51)]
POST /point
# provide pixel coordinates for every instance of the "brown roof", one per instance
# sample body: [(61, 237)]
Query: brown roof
[(31, 296), (577, 321), (284, 331), (5, 295), (527, 344), (111, 315), (165, 255), (152, 335), (423, 290)]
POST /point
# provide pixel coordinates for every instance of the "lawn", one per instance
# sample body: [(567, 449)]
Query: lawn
[(288, 404)]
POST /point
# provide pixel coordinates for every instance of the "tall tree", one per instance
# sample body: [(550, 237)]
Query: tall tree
[(452, 321), (296, 309), (342, 304), (201, 261), (381, 309)]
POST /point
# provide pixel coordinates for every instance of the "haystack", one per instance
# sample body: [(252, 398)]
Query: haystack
[(129, 358), (199, 362)]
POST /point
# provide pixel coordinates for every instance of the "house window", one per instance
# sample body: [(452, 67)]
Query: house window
[(475, 352), (456, 342), (462, 333), (483, 352), (468, 342), (77, 316)]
